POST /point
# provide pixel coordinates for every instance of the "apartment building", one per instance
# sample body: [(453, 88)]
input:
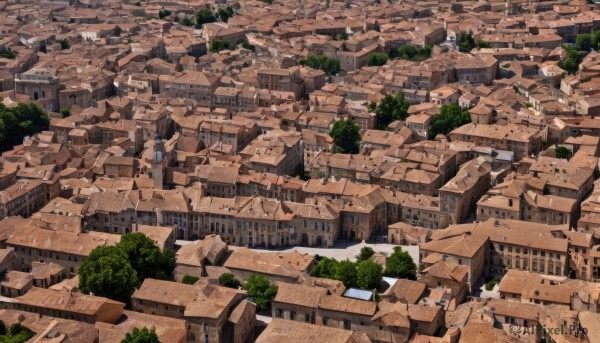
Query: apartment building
[(23, 198), (68, 305), (522, 141), (66, 249), (281, 80), (513, 200), (278, 152), (459, 195), (205, 308), (194, 85)]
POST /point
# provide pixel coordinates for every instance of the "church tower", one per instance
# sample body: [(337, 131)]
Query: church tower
[(158, 162)]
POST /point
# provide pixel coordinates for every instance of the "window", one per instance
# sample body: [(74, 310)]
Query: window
[(278, 313), (347, 324)]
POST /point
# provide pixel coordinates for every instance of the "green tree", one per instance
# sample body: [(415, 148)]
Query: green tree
[(205, 16), (346, 272), (144, 335), (164, 13), (482, 44), (64, 44), (14, 329), (391, 108), (17, 122), (106, 272), (321, 62), (466, 43), (562, 152), (225, 13), (377, 59), (450, 117), (346, 136), (365, 254), (400, 265), (219, 45), (189, 279), (228, 280), (65, 112), (146, 258), (187, 21), (411, 53), (574, 57), (8, 53), (584, 42), (368, 274), (325, 268), (261, 290)]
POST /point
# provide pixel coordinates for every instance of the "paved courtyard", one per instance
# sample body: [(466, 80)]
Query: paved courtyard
[(349, 249)]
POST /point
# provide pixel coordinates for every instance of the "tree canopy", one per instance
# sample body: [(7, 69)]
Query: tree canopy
[(368, 274), (365, 254), (146, 258), (261, 290), (411, 53), (143, 335), (321, 62), (219, 44), (466, 43), (225, 13), (189, 279), (106, 272), (228, 280), (346, 136), (205, 16), (562, 152), (347, 273), (115, 271), (18, 122), (400, 265), (450, 117), (377, 59), (389, 109)]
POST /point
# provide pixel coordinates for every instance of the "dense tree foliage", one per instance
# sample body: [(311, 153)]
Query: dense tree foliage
[(346, 136), (389, 109), (205, 16), (321, 62), (368, 274), (146, 258), (377, 59), (562, 152), (365, 254), (18, 122), (347, 273), (115, 271), (225, 13), (400, 265), (189, 279), (411, 53), (466, 43), (584, 42), (450, 117), (228, 280), (325, 268), (106, 272), (164, 13), (219, 44), (261, 290), (144, 335), (187, 21)]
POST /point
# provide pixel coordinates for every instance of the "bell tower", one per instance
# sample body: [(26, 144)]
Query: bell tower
[(158, 162)]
